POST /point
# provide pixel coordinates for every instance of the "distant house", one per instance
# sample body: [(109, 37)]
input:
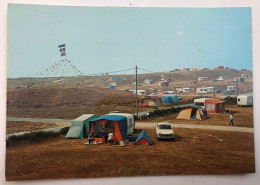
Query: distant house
[(115, 78), (186, 69), (238, 79), (194, 82), (245, 75), (43, 82), (163, 84), (243, 70), (221, 78), (205, 69), (200, 79), (148, 81), (219, 67), (125, 78)]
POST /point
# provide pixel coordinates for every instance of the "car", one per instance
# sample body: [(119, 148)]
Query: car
[(164, 131)]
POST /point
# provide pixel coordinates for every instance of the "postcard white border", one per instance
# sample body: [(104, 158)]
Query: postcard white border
[(184, 180)]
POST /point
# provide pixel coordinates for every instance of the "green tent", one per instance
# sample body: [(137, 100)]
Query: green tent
[(79, 127)]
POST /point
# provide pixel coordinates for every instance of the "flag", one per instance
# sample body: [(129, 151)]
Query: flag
[(61, 46)]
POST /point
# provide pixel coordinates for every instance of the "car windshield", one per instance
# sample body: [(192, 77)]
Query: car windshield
[(164, 126)]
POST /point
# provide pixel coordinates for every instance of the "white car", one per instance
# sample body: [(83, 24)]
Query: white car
[(164, 131)]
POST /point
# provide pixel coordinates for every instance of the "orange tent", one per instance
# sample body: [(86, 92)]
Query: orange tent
[(214, 106)]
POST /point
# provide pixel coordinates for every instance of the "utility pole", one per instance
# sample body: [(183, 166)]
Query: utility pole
[(136, 91), (236, 86)]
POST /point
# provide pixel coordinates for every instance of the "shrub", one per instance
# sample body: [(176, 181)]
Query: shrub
[(32, 137), (230, 100)]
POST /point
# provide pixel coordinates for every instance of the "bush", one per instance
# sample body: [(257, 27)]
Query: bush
[(164, 112), (32, 137), (230, 100)]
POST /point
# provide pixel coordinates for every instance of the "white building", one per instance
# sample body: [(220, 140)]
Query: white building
[(221, 78)]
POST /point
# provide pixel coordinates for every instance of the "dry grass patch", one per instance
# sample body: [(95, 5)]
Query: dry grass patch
[(194, 151)]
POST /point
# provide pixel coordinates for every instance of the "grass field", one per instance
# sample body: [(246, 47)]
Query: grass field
[(194, 151)]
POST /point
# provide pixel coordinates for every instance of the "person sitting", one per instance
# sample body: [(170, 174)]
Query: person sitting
[(104, 135), (91, 138), (110, 137)]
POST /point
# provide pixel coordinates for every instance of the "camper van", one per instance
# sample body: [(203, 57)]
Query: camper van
[(212, 89), (245, 100), (202, 90), (200, 102), (186, 90), (141, 92), (230, 88)]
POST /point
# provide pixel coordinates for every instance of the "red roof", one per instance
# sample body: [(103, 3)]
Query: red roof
[(213, 101)]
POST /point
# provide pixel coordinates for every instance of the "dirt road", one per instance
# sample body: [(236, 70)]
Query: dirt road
[(138, 125), (209, 127)]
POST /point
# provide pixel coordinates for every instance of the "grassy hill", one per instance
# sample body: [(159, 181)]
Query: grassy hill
[(60, 102)]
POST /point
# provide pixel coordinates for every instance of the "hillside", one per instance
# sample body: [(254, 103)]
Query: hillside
[(181, 78), (54, 102)]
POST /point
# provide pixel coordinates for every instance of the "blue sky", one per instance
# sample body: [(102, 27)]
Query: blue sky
[(102, 39)]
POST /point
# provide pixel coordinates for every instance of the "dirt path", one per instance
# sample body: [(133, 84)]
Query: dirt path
[(39, 120), (209, 127), (65, 123)]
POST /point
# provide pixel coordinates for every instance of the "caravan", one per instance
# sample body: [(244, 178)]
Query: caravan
[(212, 89), (202, 90), (245, 100)]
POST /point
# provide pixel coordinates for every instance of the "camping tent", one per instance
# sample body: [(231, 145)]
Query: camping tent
[(143, 139), (80, 126), (170, 98), (130, 121), (115, 123), (192, 112), (152, 101), (214, 106)]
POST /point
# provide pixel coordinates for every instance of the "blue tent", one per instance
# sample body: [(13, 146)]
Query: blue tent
[(143, 138), (170, 98), (120, 124)]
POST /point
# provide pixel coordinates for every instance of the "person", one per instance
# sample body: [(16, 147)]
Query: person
[(231, 119), (91, 138), (104, 135), (110, 137)]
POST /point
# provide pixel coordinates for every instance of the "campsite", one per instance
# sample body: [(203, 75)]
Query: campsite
[(204, 151)]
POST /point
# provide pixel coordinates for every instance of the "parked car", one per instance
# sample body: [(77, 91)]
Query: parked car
[(164, 131)]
